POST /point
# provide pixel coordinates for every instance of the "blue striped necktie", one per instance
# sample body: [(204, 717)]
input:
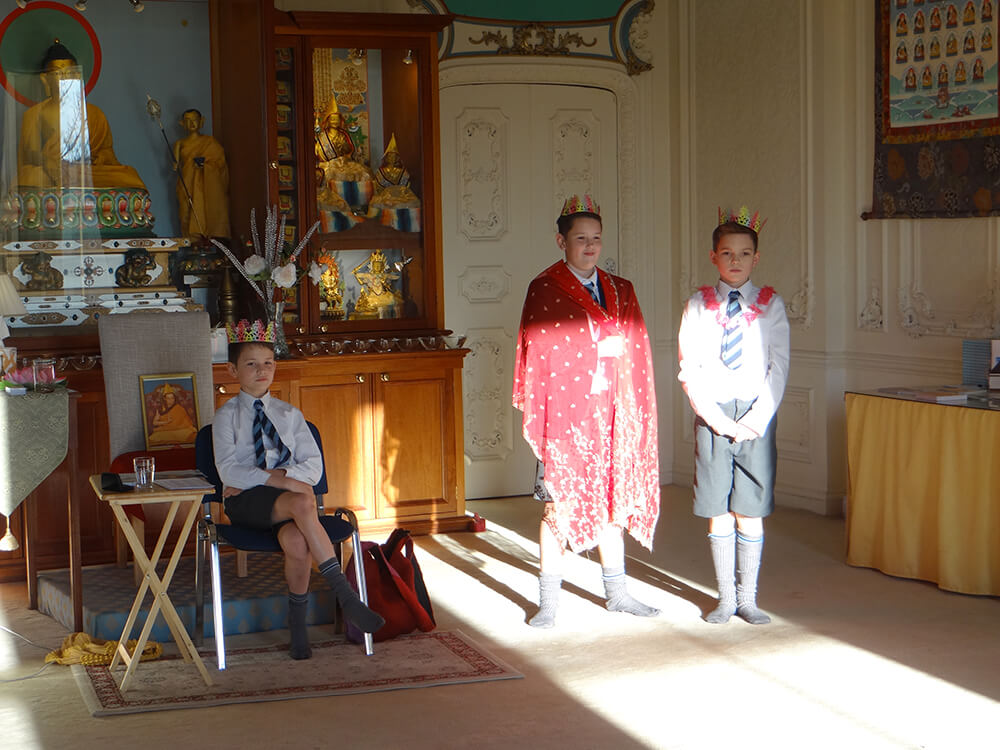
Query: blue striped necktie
[(732, 339), (591, 286), (263, 426)]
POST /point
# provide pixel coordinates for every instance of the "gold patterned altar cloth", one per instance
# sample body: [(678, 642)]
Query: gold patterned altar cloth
[(34, 436)]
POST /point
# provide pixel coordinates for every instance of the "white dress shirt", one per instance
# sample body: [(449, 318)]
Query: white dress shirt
[(232, 438), (764, 370)]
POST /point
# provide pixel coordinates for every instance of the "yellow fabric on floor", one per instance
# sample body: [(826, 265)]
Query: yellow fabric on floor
[(80, 648)]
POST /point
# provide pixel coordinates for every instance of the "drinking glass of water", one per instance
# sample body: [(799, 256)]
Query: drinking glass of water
[(145, 469)]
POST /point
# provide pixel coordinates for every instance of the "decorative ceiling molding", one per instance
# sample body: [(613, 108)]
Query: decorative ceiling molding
[(622, 39)]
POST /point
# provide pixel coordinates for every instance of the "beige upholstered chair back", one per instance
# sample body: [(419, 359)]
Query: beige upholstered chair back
[(151, 343)]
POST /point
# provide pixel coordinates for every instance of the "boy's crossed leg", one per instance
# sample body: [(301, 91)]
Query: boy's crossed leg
[(304, 540)]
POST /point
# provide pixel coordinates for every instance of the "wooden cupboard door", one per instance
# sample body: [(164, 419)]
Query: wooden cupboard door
[(340, 406), (414, 424)]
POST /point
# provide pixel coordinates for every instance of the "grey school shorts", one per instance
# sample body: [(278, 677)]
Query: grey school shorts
[(252, 508), (734, 477)]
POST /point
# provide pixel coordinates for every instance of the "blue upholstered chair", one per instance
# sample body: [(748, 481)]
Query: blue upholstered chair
[(340, 526)]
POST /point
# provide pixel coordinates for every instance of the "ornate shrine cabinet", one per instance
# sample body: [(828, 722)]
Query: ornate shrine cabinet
[(345, 133), (371, 364)]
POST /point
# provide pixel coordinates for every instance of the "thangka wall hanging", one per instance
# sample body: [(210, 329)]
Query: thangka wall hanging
[(937, 124)]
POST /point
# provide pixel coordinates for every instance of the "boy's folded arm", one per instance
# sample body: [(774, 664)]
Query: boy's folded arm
[(279, 479), (773, 388), (306, 464)]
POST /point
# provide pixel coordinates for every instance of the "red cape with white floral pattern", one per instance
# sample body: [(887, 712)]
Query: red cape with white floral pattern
[(591, 421)]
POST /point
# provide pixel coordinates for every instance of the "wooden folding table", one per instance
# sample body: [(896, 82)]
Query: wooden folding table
[(151, 581)]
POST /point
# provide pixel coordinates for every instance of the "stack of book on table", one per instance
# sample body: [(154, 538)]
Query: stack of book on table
[(942, 394)]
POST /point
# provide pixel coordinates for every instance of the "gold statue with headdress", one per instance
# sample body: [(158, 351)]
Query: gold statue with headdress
[(394, 203), (394, 181), (377, 299), (344, 185)]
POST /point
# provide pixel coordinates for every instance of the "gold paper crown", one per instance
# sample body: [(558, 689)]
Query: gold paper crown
[(743, 217), (247, 331), (580, 205)]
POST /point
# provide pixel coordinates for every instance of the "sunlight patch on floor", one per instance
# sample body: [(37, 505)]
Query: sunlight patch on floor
[(17, 725), (638, 673)]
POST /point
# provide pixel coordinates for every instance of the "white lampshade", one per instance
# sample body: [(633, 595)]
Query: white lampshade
[(10, 304)]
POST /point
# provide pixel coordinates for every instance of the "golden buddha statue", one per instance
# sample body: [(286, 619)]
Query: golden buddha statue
[(81, 157), (377, 299)]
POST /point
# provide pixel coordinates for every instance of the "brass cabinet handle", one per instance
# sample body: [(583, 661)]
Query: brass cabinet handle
[(360, 378), (273, 164), (385, 377), (220, 388), (300, 329), (324, 328)]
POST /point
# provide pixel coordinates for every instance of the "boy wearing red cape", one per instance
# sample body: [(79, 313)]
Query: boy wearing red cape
[(584, 380)]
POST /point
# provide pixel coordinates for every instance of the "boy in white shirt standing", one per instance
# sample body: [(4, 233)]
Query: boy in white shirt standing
[(733, 348), (268, 462)]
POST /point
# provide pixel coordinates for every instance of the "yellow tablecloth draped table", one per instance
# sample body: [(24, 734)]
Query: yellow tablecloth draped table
[(924, 491)]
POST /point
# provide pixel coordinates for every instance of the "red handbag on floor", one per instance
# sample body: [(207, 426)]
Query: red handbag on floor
[(396, 587)]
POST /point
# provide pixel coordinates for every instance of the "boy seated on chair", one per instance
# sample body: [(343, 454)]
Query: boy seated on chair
[(268, 462)]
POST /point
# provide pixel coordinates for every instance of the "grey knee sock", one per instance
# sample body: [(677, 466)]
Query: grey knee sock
[(724, 556), (355, 611), (747, 566), (548, 600), (619, 600), (298, 604)]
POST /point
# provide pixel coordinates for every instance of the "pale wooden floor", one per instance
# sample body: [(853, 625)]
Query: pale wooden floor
[(853, 658)]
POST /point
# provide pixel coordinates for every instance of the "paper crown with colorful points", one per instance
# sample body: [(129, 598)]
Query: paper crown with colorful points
[(576, 204), (250, 331), (743, 217)]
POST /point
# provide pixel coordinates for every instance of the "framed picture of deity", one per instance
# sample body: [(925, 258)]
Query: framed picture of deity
[(169, 409)]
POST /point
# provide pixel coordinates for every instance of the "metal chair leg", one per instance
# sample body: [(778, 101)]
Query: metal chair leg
[(359, 570), (220, 643), (199, 586)]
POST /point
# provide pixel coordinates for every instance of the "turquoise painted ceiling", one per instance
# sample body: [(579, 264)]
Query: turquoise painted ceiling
[(533, 10)]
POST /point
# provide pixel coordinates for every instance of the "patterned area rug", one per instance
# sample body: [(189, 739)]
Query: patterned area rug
[(337, 667)]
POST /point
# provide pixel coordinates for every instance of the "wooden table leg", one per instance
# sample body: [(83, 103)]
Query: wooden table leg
[(73, 511), (147, 566), (159, 589), (30, 561)]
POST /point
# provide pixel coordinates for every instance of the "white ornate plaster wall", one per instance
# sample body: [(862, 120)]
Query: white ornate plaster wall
[(779, 113)]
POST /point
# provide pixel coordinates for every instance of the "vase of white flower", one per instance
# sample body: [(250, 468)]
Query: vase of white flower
[(272, 269), (276, 313)]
